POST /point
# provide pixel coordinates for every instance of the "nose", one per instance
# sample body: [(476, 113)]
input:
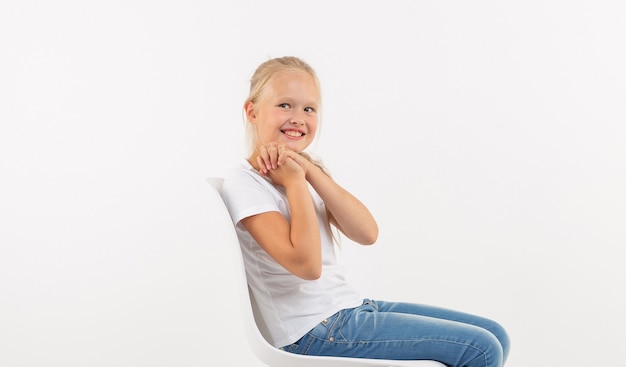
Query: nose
[(297, 119)]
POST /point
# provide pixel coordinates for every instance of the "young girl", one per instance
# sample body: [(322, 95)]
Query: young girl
[(283, 204)]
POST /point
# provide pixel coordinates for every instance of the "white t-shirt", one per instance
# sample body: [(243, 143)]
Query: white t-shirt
[(290, 306)]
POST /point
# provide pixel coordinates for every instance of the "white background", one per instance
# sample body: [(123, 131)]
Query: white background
[(487, 137)]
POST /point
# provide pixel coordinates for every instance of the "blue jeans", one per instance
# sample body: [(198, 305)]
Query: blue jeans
[(393, 330)]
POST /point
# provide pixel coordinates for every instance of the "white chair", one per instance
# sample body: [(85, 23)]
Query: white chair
[(254, 327)]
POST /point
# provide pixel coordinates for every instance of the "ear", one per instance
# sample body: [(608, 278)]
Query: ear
[(250, 112)]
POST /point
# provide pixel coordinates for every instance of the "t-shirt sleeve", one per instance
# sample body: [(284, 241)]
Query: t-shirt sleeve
[(246, 195)]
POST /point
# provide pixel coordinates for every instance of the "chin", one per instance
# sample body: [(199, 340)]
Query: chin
[(296, 147)]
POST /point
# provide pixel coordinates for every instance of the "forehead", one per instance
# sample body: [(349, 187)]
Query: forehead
[(294, 84)]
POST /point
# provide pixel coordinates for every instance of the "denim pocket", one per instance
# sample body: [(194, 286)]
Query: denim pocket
[(324, 329), (293, 348)]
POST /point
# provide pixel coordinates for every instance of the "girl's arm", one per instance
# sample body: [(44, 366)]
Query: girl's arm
[(296, 245), (351, 216)]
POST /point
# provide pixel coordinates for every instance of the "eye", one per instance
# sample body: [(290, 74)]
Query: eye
[(284, 105), (309, 109)]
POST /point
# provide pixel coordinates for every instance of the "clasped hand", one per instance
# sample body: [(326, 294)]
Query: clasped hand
[(281, 164)]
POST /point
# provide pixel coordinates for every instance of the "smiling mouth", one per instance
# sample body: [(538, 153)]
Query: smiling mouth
[(293, 133)]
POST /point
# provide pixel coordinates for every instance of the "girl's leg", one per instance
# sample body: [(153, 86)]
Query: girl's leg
[(397, 331), (441, 313)]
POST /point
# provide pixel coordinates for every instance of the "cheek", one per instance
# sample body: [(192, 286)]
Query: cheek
[(313, 129)]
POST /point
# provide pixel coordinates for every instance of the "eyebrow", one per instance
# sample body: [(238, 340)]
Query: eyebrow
[(291, 100)]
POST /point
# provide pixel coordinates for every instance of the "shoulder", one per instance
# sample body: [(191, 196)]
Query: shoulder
[(246, 192), (244, 179)]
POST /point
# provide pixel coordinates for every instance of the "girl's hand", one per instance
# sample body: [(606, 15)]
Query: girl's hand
[(281, 164), (267, 157), (272, 156)]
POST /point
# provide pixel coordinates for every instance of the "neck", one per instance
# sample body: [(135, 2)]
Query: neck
[(253, 162)]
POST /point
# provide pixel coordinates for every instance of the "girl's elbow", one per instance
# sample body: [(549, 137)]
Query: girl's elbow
[(370, 237), (370, 240), (309, 272), (308, 269), (312, 274)]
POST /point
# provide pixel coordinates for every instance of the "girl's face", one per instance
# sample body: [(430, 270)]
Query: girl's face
[(287, 112)]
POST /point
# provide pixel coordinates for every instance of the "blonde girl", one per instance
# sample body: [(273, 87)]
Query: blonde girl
[(283, 205)]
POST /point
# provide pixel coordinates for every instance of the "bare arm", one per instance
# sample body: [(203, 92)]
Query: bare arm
[(296, 245), (351, 216)]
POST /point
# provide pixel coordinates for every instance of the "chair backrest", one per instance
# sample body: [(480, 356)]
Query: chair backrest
[(255, 327), (252, 320)]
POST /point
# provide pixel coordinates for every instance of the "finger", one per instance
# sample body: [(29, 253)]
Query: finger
[(264, 155), (262, 168), (283, 154), (272, 151)]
